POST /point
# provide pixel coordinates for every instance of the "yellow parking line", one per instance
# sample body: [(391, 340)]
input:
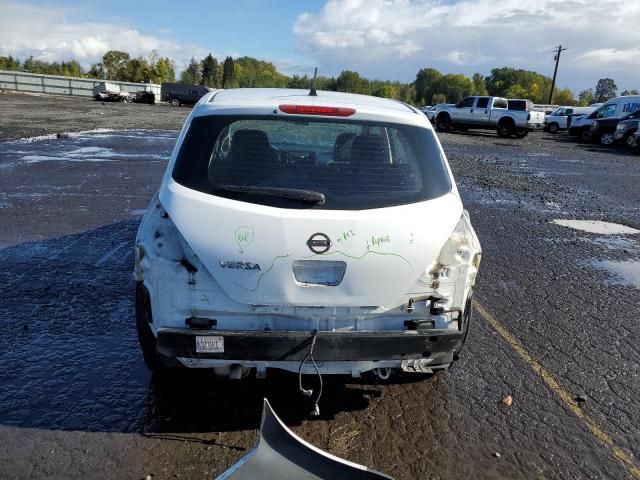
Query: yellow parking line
[(617, 452)]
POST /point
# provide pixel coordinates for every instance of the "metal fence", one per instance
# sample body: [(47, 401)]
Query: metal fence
[(54, 84)]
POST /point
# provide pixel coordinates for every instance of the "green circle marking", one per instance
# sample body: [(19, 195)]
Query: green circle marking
[(243, 236)]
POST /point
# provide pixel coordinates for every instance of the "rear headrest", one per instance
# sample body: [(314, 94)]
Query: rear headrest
[(248, 144), (340, 148), (369, 149)]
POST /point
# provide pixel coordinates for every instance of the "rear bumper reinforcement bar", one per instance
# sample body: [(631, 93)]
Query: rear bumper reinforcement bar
[(294, 345)]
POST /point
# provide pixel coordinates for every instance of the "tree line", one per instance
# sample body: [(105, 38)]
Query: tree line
[(115, 65), (67, 69), (429, 87), (250, 72)]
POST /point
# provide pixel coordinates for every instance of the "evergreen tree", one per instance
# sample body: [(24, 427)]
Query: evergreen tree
[(228, 72), (192, 74), (210, 72)]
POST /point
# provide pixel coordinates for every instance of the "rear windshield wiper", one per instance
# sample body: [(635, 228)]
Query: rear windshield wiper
[(308, 196)]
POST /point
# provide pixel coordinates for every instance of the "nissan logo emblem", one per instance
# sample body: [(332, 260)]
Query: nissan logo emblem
[(319, 243)]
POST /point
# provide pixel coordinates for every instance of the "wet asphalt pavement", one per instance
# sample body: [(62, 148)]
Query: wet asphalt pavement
[(77, 401)]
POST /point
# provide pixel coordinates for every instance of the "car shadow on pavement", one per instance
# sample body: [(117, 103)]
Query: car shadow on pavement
[(197, 401)]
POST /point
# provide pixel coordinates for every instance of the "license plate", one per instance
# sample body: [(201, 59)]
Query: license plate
[(210, 344)]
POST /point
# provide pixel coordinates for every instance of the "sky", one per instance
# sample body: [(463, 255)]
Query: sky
[(382, 39)]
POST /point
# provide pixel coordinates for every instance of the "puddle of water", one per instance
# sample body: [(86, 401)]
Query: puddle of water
[(98, 133), (53, 136), (100, 145), (47, 158), (624, 272), (597, 226)]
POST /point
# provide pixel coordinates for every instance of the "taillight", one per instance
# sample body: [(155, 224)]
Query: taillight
[(317, 110)]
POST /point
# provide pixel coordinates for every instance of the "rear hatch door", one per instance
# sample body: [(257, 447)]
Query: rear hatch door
[(261, 255)]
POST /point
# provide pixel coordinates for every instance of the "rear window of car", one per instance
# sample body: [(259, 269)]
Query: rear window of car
[(353, 164)]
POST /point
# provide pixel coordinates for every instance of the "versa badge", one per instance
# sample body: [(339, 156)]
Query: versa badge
[(239, 265)]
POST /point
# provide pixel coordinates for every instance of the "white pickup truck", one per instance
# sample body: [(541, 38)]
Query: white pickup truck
[(490, 113)]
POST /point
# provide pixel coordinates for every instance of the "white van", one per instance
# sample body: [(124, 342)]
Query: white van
[(310, 233), (615, 108), (560, 118)]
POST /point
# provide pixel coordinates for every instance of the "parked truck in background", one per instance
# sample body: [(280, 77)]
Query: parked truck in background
[(490, 113), (615, 108), (561, 118), (182, 93)]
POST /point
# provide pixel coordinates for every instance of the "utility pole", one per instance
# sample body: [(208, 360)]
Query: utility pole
[(557, 51)]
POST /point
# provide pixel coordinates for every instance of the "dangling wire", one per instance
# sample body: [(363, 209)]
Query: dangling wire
[(305, 392)]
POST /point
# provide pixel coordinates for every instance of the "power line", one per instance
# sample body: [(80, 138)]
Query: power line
[(557, 51)]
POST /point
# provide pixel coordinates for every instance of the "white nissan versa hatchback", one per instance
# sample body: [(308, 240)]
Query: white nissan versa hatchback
[(314, 233)]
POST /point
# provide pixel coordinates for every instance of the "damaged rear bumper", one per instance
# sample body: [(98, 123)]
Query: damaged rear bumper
[(334, 352)]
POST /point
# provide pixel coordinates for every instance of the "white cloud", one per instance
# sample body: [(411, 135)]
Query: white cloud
[(363, 26), (458, 57), (52, 34), (618, 59), (388, 38)]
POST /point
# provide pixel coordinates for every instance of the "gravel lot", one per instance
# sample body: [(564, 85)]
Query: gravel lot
[(77, 401), (27, 115)]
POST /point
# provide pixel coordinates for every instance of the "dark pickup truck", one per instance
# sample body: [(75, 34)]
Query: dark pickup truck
[(182, 93)]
